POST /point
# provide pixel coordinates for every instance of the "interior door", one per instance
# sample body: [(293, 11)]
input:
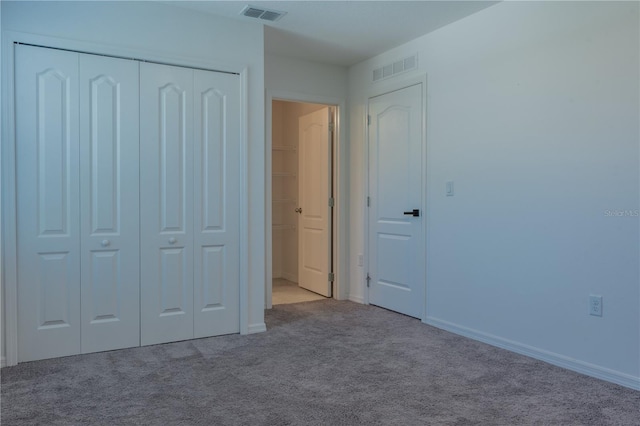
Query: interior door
[(48, 205), (217, 203), (396, 252), (109, 176), (166, 203), (314, 190)]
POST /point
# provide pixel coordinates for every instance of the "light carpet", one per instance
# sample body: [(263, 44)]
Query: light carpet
[(319, 363)]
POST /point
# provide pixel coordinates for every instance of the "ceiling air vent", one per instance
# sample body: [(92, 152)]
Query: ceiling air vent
[(395, 68), (258, 13)]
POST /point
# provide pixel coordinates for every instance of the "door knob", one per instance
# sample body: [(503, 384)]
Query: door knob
[(105, 243), (299, 210), (172, 240), (414, 213)]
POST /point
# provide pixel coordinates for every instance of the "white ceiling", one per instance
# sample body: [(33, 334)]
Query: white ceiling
[(344, 32)]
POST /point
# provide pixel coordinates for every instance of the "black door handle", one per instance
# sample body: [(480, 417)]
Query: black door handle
[(414, 213)]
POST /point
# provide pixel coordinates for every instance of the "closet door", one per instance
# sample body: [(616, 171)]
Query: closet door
[(166, 203), (109, 159), (48, 205), (216, 233)]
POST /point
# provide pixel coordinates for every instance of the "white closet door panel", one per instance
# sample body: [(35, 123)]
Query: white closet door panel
[(216, 234), (47, 203), (109, 171), (166, 203)]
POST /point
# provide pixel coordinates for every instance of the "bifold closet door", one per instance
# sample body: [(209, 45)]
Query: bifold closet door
[(217, 204), (190, 135), (77, 203), (48, 202), (109, 182), (127, 202), (166, 203)]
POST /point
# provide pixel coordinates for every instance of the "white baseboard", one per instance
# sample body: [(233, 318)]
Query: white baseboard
[(285, 276), (3, 362), (290, 277), (578, 366), (356, 299), (257, 328)]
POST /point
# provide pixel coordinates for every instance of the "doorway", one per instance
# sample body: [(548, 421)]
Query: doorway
[(302, 157)]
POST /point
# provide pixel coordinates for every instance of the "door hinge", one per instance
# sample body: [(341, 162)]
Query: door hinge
[(331, 276), (368, 120), (368, 279), (368, 201), (332, 202), (332, 127)]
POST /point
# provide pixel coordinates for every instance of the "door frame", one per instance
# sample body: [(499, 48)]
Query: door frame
[(340, 174), (378, 90), (9, 267)]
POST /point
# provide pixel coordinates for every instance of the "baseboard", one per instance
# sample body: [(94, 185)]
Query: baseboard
[(290, 277), (3, 362), (356, 299), (276, 274), (578, 366), (257, 328)]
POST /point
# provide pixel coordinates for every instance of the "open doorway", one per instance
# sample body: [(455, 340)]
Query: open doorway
[(302, 157)]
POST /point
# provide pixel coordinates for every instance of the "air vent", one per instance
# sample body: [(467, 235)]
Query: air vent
[(265, 14), (395, 68)]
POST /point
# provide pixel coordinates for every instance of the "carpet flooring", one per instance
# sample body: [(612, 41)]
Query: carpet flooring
[(319, 363)]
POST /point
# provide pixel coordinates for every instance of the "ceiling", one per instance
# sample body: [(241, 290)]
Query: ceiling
[(343, 32)]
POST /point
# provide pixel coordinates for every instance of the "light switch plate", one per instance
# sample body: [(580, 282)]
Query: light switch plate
[(449, 189)]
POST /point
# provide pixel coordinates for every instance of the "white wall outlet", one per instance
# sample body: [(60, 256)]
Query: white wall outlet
[(595, 305), (360, 260), (449, 189)]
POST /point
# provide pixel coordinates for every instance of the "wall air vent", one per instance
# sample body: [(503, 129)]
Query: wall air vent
[(395, 68), (259, 13)]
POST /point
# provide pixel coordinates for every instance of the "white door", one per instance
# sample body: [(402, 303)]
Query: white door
[(109, 167), (166, 203), (396, 250), (314, 190), (217, 203), (48, 202)]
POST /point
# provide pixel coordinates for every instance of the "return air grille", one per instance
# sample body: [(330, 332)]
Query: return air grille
[(265, 14), (397, 67)]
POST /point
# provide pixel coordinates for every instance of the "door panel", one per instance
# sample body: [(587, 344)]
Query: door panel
[(109, 170), (314, 190), (396, 256), (166, 203), (47, 203), (217, 203)]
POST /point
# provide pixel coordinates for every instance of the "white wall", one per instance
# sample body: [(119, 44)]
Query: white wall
[(285, 241), (286, 74), (2, 336), (168, 31), (533, 111)]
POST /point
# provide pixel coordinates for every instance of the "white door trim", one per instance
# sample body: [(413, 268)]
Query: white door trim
[(9, 268), (340, 174), (378, 89)]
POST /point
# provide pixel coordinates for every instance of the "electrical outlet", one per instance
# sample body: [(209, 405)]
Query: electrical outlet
[(360, 260), (595, 305)]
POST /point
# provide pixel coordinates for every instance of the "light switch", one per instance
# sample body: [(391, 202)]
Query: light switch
[(450, 189)]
